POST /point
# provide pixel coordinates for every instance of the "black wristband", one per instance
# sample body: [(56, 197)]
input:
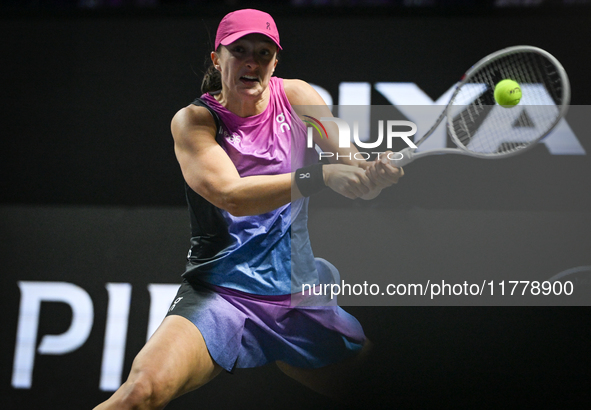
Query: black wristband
[(310, 179)]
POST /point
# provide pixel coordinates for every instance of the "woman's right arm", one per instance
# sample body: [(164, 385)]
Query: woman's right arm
[(208, 170)]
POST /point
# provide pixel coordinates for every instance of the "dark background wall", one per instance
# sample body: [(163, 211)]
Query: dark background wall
[(92, 194), (88, 101)]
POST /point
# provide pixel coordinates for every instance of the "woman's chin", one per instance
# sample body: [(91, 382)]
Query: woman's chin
[(252, 92)]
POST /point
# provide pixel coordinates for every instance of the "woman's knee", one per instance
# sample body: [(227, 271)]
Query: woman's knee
[(143, 390)]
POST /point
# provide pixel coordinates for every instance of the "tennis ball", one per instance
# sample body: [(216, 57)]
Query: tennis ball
[(507, 93)]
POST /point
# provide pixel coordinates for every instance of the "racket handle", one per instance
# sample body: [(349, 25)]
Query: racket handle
[(407, 157)]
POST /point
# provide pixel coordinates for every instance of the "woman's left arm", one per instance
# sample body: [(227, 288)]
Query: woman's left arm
[(306, 101)]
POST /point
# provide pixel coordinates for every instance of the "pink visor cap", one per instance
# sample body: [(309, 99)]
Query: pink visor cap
[(242, 22)]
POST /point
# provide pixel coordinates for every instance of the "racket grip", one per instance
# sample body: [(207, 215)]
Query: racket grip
[(406, 158)]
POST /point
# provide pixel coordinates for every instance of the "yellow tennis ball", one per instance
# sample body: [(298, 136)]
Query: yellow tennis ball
[(507, 93)]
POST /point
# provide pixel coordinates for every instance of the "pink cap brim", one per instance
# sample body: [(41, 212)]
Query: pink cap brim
[(233, 37), (243, 22)]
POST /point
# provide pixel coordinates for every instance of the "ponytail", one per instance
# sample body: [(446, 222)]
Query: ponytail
[(212, 80)]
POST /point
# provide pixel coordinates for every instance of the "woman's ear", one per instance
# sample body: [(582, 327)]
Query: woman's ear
[(215, 59)]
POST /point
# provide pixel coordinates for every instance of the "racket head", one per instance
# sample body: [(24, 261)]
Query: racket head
[(482, 128)]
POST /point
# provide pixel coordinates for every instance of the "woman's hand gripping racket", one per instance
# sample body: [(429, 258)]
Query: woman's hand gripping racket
[(480, 127)]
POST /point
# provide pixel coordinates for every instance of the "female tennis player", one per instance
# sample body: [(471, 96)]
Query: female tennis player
[(238, 146)]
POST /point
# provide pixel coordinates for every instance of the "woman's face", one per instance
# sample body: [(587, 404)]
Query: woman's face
[(247, 64)]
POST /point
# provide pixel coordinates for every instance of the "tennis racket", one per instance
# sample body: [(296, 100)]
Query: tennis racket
[(480, 127)]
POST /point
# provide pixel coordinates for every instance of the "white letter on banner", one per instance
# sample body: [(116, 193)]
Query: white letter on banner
[(161, 296), (115, 335), (32, 294), (418, 107)]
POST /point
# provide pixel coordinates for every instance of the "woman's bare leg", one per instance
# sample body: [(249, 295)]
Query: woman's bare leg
[(173, 362)]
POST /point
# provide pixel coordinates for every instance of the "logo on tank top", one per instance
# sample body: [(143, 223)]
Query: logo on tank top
[(174, 303), (233, 138), (281, 120)]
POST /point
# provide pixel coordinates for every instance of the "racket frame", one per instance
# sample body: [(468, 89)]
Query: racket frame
[(410, 154)]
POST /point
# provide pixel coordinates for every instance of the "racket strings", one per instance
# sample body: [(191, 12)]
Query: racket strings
[(553, 82), (478, 124)]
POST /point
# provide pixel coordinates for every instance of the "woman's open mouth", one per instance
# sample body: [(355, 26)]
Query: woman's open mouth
[(249, 79)]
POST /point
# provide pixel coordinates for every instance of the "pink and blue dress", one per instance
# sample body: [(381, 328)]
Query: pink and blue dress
[(242, 272)]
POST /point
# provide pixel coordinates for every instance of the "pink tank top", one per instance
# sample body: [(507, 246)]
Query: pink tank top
[(272, 142)]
